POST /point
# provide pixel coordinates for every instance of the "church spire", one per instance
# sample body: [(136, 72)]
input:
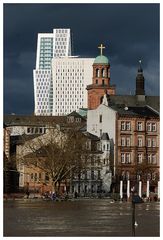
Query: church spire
[(140, 80), (140, 66), (101, 48)]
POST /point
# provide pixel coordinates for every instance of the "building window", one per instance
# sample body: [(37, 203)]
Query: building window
[(97, 72), (107, 147), (123, 141), (122, 158), (128, 159), (123, 125), (103, 72), (140, 141), (149, 158), (35, 177), (139, 126), (92, 175), (153, 158), (148, 127), (153, 127), (31, 176), (39, 176), (96, 81), (103, 82), (153, 142), (128, 126), (127, 175), (99, 175), (104, 147), (100, 118), (149, 142), (128, 142), (100, 132), (140, 157)]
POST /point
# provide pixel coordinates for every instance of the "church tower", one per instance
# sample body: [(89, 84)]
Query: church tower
[(101, 81), (140, 81)]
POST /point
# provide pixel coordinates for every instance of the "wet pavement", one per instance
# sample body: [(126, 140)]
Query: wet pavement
[(91, 217)]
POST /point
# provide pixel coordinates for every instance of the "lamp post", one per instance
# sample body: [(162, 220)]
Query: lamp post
[(121, 190), (135, 200)]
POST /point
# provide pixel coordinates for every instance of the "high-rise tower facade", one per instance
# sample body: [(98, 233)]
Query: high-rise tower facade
[(70, 77), (49, 45)]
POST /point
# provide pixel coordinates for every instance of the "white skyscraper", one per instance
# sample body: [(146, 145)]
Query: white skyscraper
[(49, 45), (70, 77), (60, 79)]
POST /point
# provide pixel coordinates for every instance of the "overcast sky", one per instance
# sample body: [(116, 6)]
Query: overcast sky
[(129, 31)]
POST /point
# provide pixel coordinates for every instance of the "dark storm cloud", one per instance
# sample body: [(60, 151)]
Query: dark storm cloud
[(129, 31)]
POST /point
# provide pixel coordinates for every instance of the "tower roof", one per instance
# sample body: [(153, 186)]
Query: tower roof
[(140, 69), (105, 136), (101, 59)]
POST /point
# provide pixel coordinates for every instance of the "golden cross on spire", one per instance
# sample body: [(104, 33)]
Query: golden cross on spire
[(101, 48)]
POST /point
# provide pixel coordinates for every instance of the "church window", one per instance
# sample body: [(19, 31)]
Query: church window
[(103, 72), (97, 72)]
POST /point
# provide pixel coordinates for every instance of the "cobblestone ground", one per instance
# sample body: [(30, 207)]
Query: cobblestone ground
[(92, 217)]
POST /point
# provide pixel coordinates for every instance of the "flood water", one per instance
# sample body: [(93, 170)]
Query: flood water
[(92, 217)]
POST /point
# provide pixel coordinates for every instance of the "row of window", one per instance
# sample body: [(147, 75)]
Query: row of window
[(150, 142), (43, 111), (42, 72), (103, 82), (72, 119), (126, 158), (93, 175), (71, 77), (70, 69), (126, 126), (150, 176), (35, 130), (102, 73), (61, 46), (43, 102), (61, 31), (44, 54)]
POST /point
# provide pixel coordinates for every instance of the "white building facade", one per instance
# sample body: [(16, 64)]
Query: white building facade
[(70, 77), (49, 45)]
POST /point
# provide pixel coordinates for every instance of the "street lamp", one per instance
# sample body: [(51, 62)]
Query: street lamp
[(135, 200)]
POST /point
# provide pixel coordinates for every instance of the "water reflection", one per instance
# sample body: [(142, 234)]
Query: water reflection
[(95, 217)]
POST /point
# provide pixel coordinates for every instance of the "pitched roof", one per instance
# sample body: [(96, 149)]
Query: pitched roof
[(29, 120), (132, 100), (105, 136), (141, 111)]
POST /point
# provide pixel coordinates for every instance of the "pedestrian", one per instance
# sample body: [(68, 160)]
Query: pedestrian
[(27, 193), (53, 196)]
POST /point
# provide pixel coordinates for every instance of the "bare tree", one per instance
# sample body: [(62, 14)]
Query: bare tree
[(57, 153)]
